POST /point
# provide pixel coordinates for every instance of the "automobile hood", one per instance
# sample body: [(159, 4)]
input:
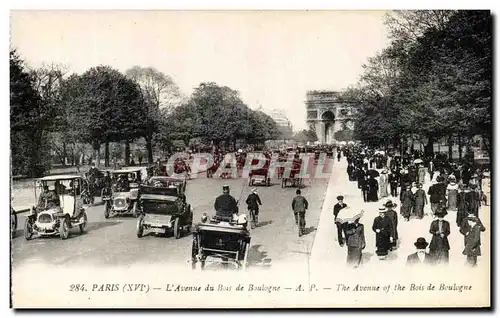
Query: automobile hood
[(158, 218), (121, 195), (51, 211)]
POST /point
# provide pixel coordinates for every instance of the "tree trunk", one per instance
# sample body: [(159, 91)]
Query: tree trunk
[(97, 152), (450, 147), (106, 153), (429, 147), (149, 147), (127, 153), (460, 145), (64, 154)]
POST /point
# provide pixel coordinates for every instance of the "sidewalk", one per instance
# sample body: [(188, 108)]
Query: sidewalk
[(327, 255)]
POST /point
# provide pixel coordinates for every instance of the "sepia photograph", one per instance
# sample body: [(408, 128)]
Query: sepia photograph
[(250, 158)]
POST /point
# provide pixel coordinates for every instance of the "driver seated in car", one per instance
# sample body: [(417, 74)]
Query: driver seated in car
[(225, 205), (48, 199), (123, 184)]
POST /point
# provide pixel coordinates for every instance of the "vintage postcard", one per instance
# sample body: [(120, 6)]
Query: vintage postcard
[(250, 159)]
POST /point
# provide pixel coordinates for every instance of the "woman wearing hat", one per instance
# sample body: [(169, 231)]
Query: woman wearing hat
[(407, 198), (382, 226), (440, 229), (393, 216), (452, 192), (355, 239), (471, 229), (383, 183), (419, 202)]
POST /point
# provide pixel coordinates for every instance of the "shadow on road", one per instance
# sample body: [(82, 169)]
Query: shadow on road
[(90, 227), (365, 258), (309, 230), (258, 258), (261, 224)]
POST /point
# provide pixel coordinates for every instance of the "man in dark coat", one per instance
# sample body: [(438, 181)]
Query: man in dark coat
[(471, 229), (350, 172), (340, 226), (299, 207), (393, 182), (253, 202), (472, 200), (225, 205), (461, 204), (420, 257), (382, 226), (437, 193), (440, 229), (372, 195), (393, 216)]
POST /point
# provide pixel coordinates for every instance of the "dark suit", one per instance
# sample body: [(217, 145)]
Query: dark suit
[(413, 260), (439, 247), (340, 227)]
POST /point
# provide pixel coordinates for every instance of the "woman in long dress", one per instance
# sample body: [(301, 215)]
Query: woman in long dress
[(452, 193), (382, 226), (355, 238), (383, 183), (406, 204)]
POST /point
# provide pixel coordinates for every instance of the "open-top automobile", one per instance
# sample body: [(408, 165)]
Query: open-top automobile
[(163, 210), (60, 207), (124, 192)]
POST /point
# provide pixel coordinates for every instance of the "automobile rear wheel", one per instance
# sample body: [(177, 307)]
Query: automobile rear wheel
[(106, 211), (28, 229), (177, 229), (64, 229), (140, 228)]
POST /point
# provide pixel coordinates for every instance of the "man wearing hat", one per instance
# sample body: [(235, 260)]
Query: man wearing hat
[(225, 205), (420, 257), (340, 227), (299, 207), (471, 229), (393, 216), (253, 202), (440, 229), (382, 226), (437, 193)]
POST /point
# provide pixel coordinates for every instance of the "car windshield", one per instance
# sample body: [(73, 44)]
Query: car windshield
[(61, 187)]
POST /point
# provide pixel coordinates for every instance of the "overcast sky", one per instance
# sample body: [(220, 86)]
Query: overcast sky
[(271, 57)]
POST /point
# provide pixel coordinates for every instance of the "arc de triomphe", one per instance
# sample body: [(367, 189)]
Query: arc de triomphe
[(327, 114)]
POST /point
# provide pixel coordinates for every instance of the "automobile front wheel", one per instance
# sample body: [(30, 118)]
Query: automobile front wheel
[(134, 210), (83, 219), (28, 229), (64, 229)]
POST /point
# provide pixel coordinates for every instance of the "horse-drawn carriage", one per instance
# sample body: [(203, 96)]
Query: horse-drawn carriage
[(260, 176), (222, 238), (294, 179)]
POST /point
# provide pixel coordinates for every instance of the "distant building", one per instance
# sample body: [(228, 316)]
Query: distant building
[(278, 116), (328, 114)]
